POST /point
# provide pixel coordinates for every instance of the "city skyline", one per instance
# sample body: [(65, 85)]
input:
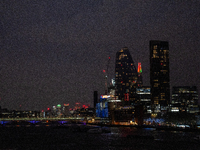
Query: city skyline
[(55, 52)]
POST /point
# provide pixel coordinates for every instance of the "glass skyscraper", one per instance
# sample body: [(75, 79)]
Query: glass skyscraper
[(159, 75), (125, 77)]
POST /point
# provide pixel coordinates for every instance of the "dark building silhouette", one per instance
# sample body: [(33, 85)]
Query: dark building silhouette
[(139, 114), (95, 98), (159, 75), (125, 77)]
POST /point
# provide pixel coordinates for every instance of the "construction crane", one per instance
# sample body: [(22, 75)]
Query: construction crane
[(106, 76)]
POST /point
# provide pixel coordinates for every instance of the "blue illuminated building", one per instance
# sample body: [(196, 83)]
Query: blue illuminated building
[(102, 107)]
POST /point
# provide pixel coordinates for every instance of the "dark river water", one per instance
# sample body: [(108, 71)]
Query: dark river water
[(120, 138)]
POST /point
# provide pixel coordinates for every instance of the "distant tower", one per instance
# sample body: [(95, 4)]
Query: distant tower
[(125, 77), (77, 106), (66, 110), (59, 113), (159, 75), (95, 98), (139, 81)]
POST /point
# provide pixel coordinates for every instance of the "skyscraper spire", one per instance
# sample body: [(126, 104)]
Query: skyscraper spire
[(139, 81), (139, 67)]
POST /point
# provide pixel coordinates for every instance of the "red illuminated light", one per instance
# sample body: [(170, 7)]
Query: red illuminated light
[(139, 67), (126, 97), (85, 106)]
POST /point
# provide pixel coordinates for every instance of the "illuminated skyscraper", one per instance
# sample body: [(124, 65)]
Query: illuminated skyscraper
[(125, 77), (159, 75), (139, 81)]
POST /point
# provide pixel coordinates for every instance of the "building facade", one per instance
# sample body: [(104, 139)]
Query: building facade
[(159, 75), (125, 77), (144, 96), (184, 99)]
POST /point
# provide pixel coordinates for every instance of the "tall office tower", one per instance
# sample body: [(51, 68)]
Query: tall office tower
[(139, 80), (184, 99), (95, 98), (125, 77), (159, 75)]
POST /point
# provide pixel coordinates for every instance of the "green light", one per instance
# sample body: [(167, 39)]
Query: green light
[(58, 105)]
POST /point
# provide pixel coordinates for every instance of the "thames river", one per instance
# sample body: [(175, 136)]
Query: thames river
[(70, 137)]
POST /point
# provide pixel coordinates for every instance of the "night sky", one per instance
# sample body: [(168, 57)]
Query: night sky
[(54, 51)]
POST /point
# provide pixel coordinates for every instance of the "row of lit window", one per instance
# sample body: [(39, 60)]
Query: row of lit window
[(122, 56), (155, 56), (163, 70), (156, 85)]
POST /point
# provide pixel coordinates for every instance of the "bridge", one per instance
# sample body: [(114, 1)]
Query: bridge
[(44, 119), (54, 119)]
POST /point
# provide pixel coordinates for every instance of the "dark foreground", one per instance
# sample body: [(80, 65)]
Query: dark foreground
[(51, 137)]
